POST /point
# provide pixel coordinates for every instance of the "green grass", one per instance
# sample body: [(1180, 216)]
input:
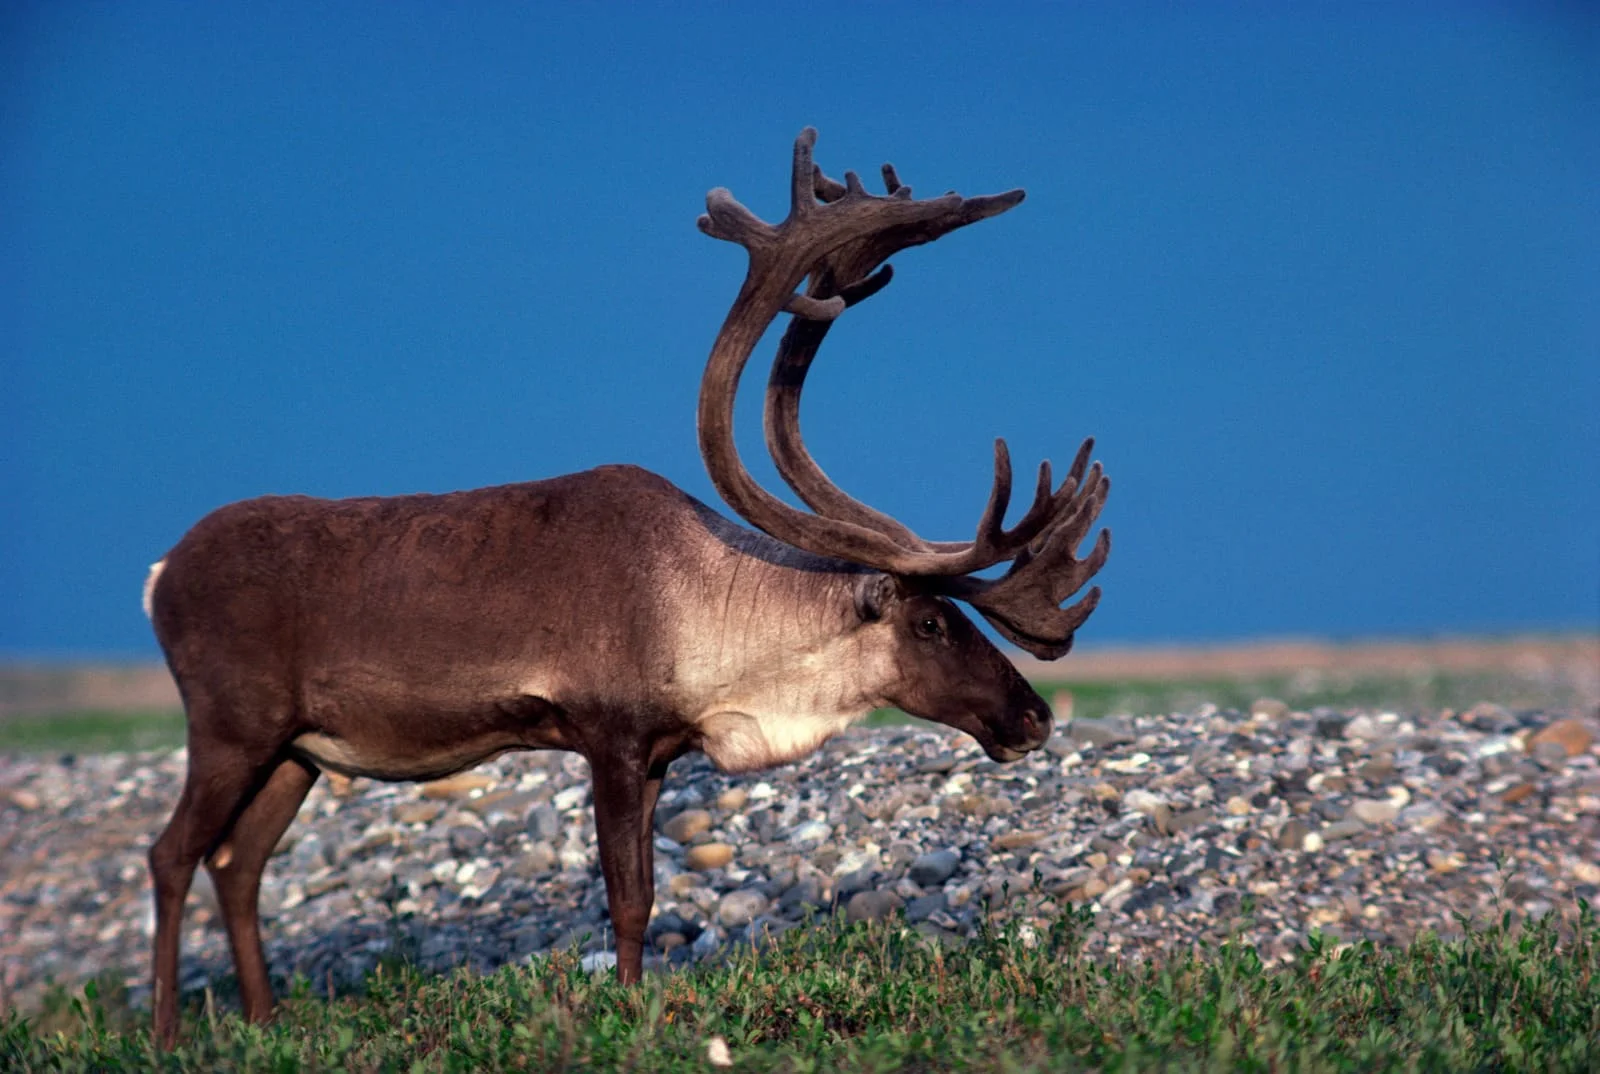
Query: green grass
[(1425, 690), (882, 998), (92, 732)]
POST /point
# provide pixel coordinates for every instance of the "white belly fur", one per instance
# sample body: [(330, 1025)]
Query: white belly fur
[(347, 758)]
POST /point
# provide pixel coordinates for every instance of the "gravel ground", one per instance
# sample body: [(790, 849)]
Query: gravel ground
[(1361, 823)]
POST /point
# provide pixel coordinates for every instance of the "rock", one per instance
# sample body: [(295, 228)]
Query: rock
[(543, 822), (1573, 736), (937, 765), (1188, 820), (1378, 769), (1586, 872), (318, 883), (707, 942), (1373, 811), (1489, 717), (1269, 708), (924, 907), (1549, 754), (1016, 840), (1331, 725), (24, 799), (708, 856), (812, 831), (1517, 792), (537, 860), (1101, 733), (1142, 801), (1422, 817), (933, 869), (598, 961), (739, 908), (572, 798), (667, 942), (871, 905), (465, 840), (733, 799), (1364, 728), (805, 895), (1292, 836), (459, 785), (1238, 806), (686, 825), (1342, 829), (856, 880), (417, 812)]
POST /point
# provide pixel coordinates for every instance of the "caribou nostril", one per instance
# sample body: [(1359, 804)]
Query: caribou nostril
[(1036, 723)]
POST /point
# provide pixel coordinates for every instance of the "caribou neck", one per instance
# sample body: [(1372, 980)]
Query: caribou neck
[(771, 657)]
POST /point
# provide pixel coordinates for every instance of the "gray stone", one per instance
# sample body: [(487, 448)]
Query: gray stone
[(859, 880), (811, 831), (933, 869), (805, 895), (872, 905), (1101, 732), (537, 860), (937, 764), (740, 907), (543, 822), (466, 840), (1331, 725), (921, 909), (1373, 811), (1342, 829)]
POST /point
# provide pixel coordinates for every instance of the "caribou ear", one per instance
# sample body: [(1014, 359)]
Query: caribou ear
[(874, 593)]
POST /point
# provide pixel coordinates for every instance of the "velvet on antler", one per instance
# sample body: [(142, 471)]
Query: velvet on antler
[(839, 236)]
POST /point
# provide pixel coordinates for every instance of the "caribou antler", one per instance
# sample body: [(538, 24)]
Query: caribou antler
[(840, 235), (852, 272)]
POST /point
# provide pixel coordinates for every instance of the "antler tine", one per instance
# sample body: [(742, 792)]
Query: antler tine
[(802, 190), (892, 183), (1024, 604)]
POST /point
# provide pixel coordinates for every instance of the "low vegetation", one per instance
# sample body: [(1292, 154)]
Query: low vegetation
[(91, 731), (883, 998)]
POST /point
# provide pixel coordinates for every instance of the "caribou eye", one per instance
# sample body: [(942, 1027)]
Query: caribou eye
[(930, 626)]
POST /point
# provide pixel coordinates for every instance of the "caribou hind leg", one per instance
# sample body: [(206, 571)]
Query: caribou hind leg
[(223, 778), (236, 866)]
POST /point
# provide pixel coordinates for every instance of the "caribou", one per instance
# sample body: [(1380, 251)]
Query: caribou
[(605, 612)]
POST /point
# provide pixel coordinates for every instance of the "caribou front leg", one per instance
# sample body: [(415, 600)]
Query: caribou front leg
[(624, 812)]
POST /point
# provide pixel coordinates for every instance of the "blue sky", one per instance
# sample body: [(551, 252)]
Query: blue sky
[(1323, 280)]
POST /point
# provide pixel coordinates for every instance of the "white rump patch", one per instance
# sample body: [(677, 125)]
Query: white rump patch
[(150, 588)]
